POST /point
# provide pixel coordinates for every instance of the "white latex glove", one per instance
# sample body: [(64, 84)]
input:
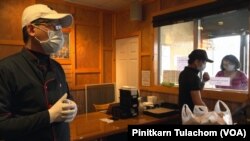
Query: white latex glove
[(69, 110), (56, 110)]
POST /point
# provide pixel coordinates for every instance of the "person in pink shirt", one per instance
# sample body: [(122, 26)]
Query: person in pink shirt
[(229, 68)]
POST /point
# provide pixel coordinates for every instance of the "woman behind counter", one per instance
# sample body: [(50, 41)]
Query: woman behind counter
[(229, 68)]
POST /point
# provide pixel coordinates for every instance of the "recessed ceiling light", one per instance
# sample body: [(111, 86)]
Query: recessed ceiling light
[(220, 23), (200, 28)]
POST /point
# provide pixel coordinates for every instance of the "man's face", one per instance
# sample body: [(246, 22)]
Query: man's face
[(228, 66), (41, 28), (200, 64)]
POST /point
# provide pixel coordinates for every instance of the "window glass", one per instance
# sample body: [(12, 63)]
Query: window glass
[(175, 43), (224, 36)]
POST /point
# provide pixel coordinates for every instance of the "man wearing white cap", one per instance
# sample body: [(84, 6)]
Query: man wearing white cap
[(35, 104)]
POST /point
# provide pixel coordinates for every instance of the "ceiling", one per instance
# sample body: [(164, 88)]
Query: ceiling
[(104, 4), (225, 24)]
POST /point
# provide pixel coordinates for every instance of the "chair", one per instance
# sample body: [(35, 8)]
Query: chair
[(101, 107)]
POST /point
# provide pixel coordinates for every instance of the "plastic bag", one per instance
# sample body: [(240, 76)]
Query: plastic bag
[(201, 115), (226, 115)]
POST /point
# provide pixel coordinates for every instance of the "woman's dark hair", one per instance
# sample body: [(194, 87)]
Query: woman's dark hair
[(232, 59)]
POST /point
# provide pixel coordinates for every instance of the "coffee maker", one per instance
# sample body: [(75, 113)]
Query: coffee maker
[(129, 102)]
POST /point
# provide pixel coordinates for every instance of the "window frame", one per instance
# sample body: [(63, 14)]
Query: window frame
[(227, 95)]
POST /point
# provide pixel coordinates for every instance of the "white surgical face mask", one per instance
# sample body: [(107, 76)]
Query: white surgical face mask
[(54, 43), (202, 67), (229, 67)]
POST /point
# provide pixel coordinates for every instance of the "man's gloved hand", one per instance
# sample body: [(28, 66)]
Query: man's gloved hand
[(69, 110), (63, 110)]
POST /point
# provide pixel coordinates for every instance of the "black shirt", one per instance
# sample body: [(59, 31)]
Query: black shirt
[(26, 94), (43, 62), (188, 81)]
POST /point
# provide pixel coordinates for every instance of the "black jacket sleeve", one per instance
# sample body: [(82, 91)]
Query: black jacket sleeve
[(11, 124), (62, 73)]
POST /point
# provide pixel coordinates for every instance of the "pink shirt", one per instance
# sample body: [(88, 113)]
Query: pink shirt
[(239, 82)]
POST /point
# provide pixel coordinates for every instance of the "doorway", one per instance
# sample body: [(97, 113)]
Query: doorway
[(127, 63)]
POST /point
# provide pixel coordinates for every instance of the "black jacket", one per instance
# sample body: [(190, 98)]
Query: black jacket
[(26, 94)]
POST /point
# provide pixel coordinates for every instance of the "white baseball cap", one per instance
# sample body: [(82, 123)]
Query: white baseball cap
[(37, 11)]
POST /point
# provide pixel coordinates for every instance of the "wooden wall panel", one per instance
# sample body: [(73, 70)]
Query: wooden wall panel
[(147, 38), (107, 31), (58, 5), (87, 47), (146, 62), (7, 50), (124, 26), (87, 17), (107, 47), (149, 10), (107, 63), (87, 78), (11, 28), (148, 30)]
